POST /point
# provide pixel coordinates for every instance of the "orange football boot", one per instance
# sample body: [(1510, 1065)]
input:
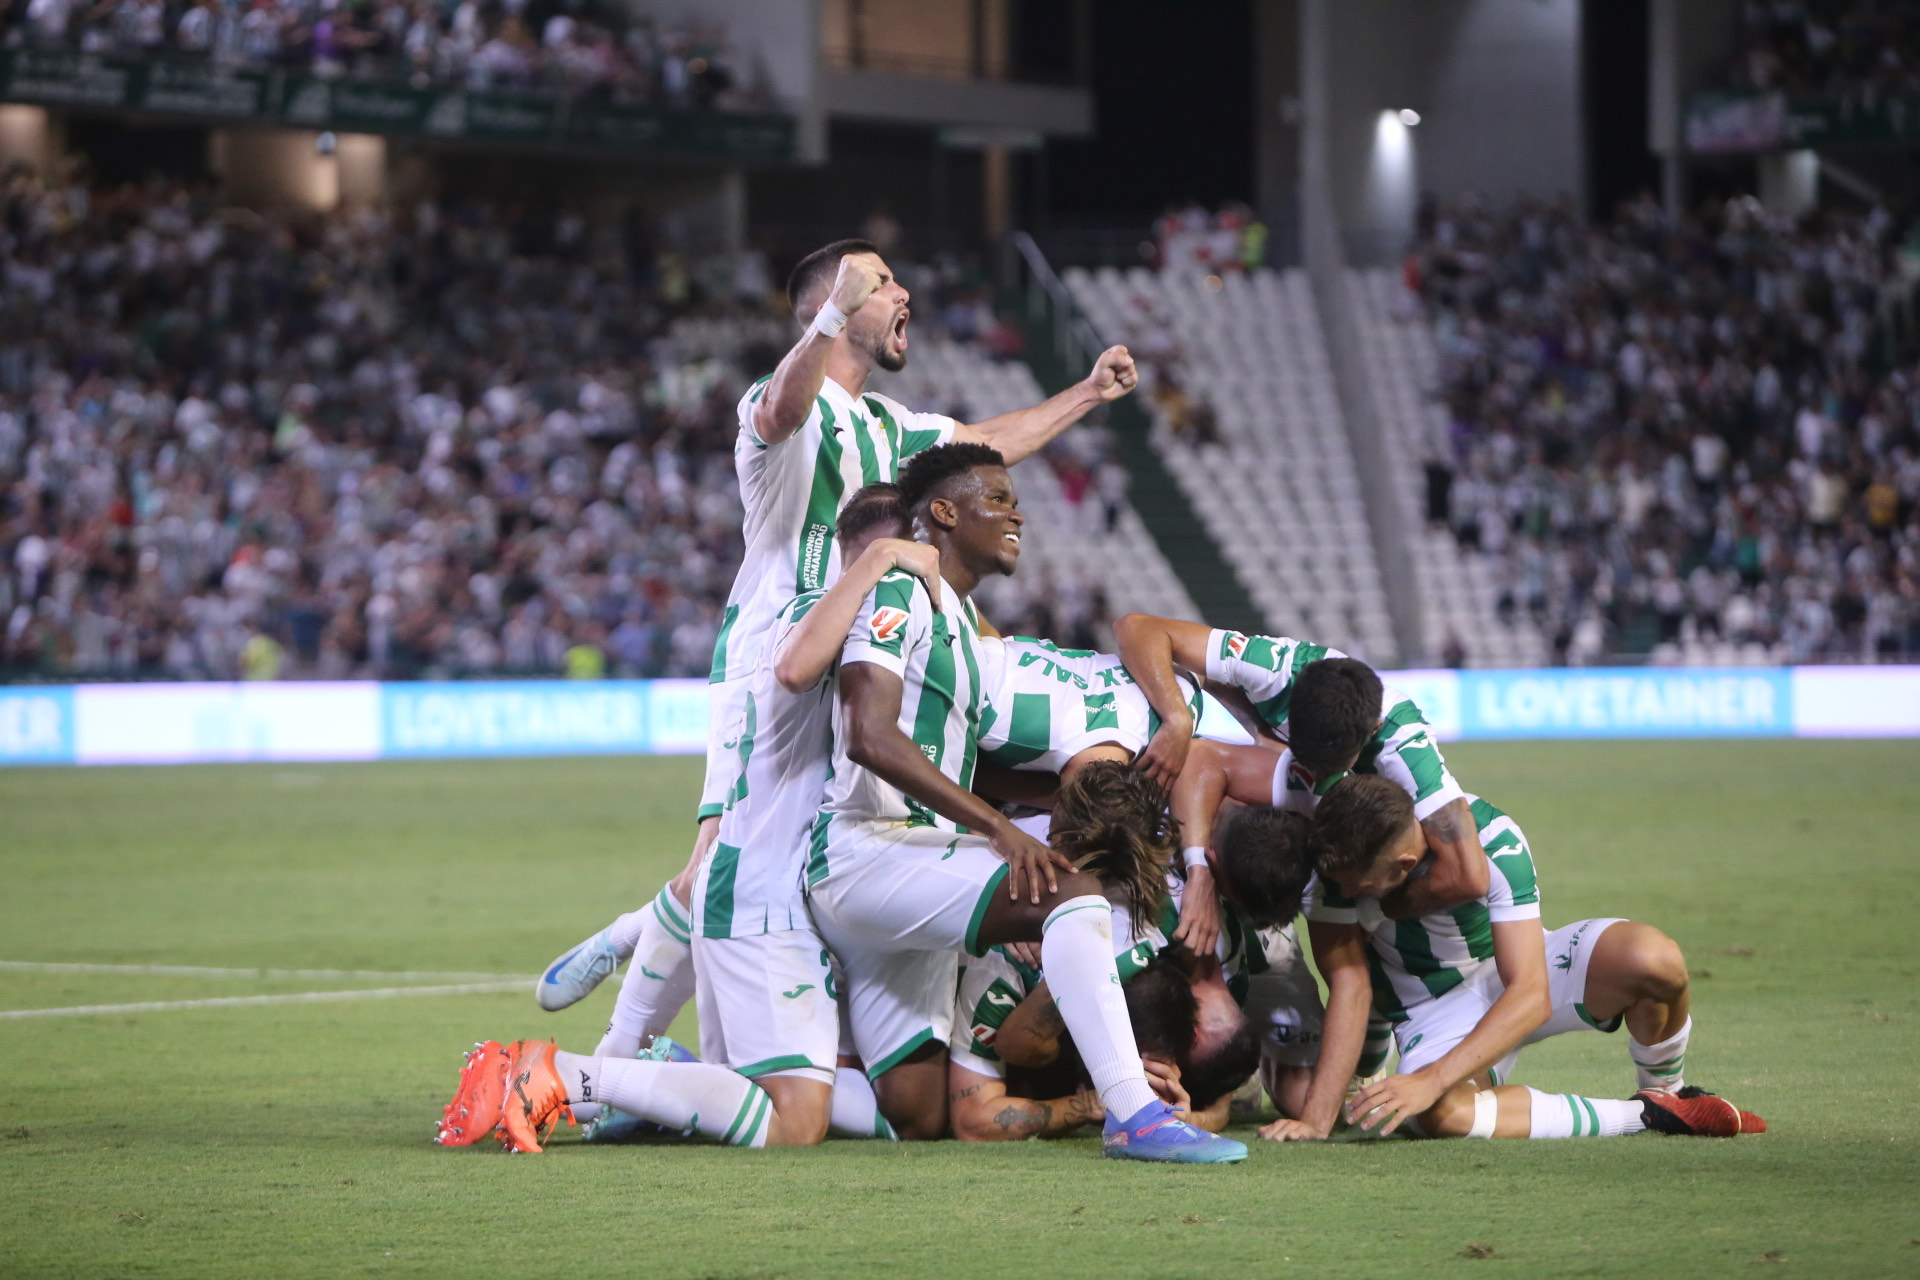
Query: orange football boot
[(536, 1098), (475, 1110)]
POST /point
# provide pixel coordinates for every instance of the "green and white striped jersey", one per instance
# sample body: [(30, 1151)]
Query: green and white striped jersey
[(1045, 704), (793, 492), (935, 652), (751, 884), (1402, 749), (992, 986), (1413, 961), (1240, 951), (1264, 667)]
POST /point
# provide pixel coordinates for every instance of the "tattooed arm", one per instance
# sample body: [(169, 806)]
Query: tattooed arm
[(1456, 868), (981, 1111), (1031, 1035)]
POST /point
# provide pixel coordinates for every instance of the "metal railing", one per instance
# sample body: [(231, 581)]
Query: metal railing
[(1070, 341), (1050, 305)]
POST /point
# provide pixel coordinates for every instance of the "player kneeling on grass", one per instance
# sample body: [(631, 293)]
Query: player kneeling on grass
[(1465, 989), (769, 1016), (908, 867)]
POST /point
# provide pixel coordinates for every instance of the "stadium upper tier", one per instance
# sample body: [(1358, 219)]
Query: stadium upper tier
[(601, 49), (1865, 50)]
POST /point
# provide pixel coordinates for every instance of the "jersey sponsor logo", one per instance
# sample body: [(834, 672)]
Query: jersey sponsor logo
[(886, 623), (1234, 646), (983, 1035), (1002, 998), (798, 991)]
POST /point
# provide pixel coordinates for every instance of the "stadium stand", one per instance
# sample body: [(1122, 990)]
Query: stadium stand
[(428, 444), (1459, 593), (1090, 559), (601, 49), (1833, 48), (292, 445), (1248, 422), (1681, 438)]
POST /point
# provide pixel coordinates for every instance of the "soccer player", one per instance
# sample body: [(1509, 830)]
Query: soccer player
[(1110, 822), (1338, 720), (909, 867), (810, 434), (769, 1018), (1465, 989), (1222, 1054), (990, 1102), (1054, 710)]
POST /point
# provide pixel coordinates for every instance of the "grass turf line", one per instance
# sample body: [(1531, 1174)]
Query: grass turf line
[(295, 1140)]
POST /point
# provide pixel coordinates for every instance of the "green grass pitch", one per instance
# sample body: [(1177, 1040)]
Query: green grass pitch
[(294, 1139)]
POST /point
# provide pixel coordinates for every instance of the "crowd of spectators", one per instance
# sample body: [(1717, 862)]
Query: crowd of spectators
[(429, 442), (584, 47), (1860, 51), (1684, 436), (442, 442), (1189, 238)]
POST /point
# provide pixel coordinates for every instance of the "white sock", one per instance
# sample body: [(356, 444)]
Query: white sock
[(1663, 1065), (712, 1101), (856, 1111), (1568, 1115), (658, 982), (624, 932), (1076, 950)]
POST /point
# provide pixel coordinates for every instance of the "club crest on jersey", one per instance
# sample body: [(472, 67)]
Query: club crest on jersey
[(886, 623)]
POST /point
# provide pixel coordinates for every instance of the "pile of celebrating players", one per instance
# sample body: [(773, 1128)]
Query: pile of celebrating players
[(954, 883)]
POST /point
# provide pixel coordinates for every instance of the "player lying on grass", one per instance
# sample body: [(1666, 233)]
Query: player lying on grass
[(810, 434), (991, 1100), (1222, 1055), (1331, 724), (769, 1020), (908, 867), (1465, 989), (1111, 821)]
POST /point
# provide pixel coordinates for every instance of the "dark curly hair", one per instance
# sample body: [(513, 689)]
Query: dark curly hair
[(926, 474), (1334, 710), (1265, 859), (1112, 820)]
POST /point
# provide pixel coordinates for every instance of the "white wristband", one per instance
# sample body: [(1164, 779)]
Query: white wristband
[(829, 320), (1194, 856)]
